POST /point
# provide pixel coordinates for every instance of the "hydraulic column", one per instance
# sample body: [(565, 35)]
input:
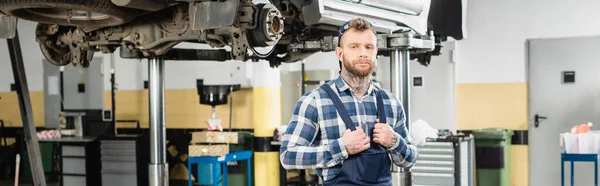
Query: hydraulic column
[(158, 168)]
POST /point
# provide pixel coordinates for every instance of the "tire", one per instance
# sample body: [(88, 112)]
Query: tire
[(56, 12)]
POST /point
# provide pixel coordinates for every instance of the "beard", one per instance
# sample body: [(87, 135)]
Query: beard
[(350, 66)]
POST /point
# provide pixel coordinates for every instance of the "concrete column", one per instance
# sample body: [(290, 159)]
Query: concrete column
[(266, 107)]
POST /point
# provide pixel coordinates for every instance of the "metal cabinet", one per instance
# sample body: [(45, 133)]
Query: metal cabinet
[(124, 161), (445, 161), (74, 165), (78, 162)]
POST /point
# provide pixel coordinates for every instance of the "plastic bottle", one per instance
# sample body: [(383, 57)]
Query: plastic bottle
[(581, 128)]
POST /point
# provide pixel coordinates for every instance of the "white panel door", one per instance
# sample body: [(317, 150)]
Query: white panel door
[(562, 104)]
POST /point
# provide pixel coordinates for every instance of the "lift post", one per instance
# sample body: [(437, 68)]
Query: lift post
[(29, 131), (400, 46), (158, 168)]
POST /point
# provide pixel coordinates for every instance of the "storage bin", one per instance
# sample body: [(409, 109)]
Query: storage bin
[(584, 143), (492, 154)]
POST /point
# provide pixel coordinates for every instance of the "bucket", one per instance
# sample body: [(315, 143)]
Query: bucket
[(591, 143), (584, 143), (569, 141)]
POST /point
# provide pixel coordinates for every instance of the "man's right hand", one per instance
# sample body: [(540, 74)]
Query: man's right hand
[(355, 141)]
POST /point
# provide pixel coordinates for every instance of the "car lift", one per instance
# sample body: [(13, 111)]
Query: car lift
[(399, 46)]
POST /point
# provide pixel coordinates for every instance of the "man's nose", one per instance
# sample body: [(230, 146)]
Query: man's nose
[(363, 52)]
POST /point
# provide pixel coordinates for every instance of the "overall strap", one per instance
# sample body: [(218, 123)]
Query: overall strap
[(340, 107), (380, 108)]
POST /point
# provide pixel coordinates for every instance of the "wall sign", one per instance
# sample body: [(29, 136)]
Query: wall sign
[(568, 77), (418, 81)]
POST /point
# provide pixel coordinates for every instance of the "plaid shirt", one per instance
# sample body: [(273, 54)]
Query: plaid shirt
[(313, 137)]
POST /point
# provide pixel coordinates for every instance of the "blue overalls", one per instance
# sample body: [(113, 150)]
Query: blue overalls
[(370, 167)]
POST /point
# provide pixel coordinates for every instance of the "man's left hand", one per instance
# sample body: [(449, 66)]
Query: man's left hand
[(384, 134)]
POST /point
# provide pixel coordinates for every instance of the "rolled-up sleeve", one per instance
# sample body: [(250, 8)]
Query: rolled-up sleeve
[(403, 153)]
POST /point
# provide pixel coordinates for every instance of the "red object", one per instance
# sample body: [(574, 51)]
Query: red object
[(582, 128)]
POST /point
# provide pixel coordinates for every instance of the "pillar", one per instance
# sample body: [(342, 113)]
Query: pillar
[(158, 167), (266, 108)]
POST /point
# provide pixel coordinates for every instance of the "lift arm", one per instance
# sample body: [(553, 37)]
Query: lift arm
[(33, 147)]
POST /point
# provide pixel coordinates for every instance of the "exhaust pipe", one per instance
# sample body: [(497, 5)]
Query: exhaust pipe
[(149, 5)]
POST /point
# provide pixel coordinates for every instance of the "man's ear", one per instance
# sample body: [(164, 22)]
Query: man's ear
[(339, 52)]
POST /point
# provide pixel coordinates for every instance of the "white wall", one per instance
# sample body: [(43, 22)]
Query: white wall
[(106, 69), (434, 102), (183, 74), (316, 61), (130, 73), (32, 58), (494, 52)]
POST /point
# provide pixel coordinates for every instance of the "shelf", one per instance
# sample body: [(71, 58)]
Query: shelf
[(579, 157)]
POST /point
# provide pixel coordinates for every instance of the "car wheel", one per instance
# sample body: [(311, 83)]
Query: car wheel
[(86, 13)]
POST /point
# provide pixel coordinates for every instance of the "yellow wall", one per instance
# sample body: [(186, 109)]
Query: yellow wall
[(501, 105), (182, 110), (491, 105), (11, 114)]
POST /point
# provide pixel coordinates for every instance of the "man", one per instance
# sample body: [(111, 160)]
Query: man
[(349, 129)]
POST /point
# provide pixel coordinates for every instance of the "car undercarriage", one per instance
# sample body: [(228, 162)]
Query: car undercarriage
[(71, 31)]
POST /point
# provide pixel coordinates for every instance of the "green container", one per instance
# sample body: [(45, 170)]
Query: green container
[(237, 179), (237, 171), (46, 155), (492, 156)]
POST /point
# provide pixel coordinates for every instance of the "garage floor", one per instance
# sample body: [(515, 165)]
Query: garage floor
[(10, 183)]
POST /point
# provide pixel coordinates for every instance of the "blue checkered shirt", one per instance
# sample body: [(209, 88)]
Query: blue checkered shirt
[(313, 137)]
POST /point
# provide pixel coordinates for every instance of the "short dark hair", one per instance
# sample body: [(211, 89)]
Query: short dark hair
[(358, 24)]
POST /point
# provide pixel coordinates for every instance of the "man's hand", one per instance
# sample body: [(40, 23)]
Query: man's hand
[(355, 141), (384, 134)]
